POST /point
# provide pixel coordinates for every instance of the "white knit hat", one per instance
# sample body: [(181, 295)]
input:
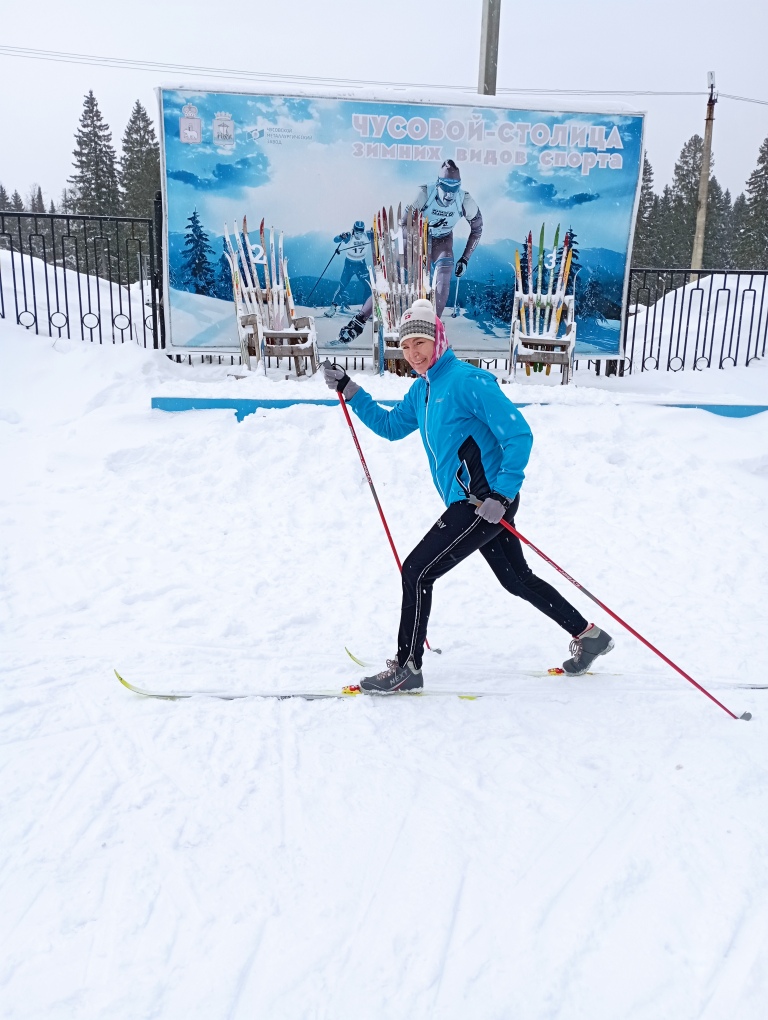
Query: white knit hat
[(419, 320)]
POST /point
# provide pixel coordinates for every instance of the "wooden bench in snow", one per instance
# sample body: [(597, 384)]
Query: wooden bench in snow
[(551, 346), (297, 341), (266, 322)]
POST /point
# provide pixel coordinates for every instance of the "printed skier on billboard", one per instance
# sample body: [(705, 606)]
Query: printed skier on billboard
[(357, 242), (443, 204)]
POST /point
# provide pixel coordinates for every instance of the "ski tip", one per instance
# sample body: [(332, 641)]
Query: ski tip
[(354, 658), (123, 682), (746, 716)]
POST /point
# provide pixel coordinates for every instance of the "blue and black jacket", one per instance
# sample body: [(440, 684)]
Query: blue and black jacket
[(474, 435)]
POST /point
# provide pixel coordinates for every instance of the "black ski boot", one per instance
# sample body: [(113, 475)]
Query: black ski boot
[(585, 649), (394, 679), (348, 333)]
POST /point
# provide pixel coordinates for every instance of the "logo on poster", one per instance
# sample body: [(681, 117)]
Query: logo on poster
[(190, 125), (224, 131), (274, 134)]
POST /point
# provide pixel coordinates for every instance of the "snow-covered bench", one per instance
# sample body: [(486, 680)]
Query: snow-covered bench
[(554, 345)]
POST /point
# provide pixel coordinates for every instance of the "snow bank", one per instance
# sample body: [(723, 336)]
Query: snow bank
[(583, 850)]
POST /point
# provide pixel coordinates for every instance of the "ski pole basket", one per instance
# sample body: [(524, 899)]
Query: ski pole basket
[(267, 324)]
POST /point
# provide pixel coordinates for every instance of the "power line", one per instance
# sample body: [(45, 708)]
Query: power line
[(228, 72), (743, 99)]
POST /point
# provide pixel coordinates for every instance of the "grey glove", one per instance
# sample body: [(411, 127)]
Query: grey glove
[(337, 379), (491, 510)]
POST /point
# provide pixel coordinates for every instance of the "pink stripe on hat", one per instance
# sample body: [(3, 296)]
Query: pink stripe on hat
[(441, 341)]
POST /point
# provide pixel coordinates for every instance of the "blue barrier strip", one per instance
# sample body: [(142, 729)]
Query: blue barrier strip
[(725, 410), (245, 407)]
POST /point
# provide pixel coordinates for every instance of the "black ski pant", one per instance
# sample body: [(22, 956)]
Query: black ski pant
[(456, 535)]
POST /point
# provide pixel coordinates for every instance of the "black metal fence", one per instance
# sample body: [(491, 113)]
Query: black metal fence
[(99, 278), (94, 278), (677, 319)]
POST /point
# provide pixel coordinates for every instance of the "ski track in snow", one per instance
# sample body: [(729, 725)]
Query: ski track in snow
[(585, 850)]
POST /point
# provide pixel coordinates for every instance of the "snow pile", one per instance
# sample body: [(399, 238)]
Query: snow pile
[(582, 850)]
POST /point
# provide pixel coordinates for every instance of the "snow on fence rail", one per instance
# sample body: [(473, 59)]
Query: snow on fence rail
[(682, 320), (86, 277)]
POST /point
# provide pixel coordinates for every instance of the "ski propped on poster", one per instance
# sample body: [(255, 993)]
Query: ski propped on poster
[(478, 173)]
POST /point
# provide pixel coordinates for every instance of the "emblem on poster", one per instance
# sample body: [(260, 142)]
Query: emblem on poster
[(190, 125), (224, 131)]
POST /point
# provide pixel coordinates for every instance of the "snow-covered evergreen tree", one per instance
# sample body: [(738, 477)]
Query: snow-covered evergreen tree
[(52, 208), (140, 164), (94, 182), (718, 253), (591, 299), (740, 233), (642, 249), (224, 289), (662, 231), (754, 250), (35, 202), (5, 198), (685, 200), (17, 202), (196, 271), (68, 200)]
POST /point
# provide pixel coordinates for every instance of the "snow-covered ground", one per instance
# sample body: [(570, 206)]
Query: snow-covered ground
[(590, 849)]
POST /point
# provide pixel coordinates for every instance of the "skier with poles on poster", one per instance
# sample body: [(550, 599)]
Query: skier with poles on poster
[(477, 444), (442, 204), (357, 243)]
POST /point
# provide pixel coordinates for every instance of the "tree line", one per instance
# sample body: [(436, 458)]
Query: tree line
[(103, 184), (736, 235)]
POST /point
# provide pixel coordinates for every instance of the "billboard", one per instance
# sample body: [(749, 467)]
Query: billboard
[(318, 167)]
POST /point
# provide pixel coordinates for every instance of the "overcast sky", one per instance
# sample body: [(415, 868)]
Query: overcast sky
[(661, 45)]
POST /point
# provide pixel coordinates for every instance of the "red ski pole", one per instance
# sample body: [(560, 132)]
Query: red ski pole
[(669, 662), (373, 490)]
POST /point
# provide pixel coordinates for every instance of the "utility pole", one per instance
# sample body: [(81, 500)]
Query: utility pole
[(706, 158), (489, 48)]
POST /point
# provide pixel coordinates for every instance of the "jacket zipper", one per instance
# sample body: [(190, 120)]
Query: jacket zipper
[(426, 436)]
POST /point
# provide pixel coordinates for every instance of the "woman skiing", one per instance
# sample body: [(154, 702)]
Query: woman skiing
[(478, 444)]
